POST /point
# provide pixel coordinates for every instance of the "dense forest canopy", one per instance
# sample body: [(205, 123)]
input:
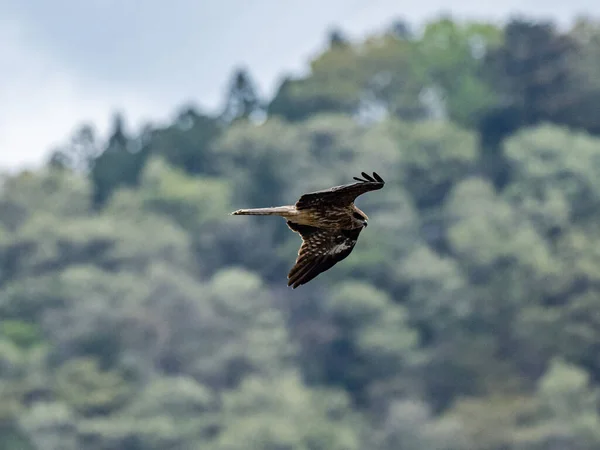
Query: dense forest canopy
[(137, 314)]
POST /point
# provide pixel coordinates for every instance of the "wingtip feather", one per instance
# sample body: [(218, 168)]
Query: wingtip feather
[(369, 179)]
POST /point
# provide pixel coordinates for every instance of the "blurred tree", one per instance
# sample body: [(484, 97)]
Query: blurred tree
[(242, 100), (187, 143), (567, 415), (377, 76), (540, 166), (85, 388), (190, 202), (401, 29), (331, 87), (368, 342), (532, 74), (453, 56), (435, 156), (50, 426), (584, 112), (392, 78), (496, 422), (171, 412), (48, 193), (337, 38), (80, 153), (277, 413), (531, 70), (409, 426), (120, 163)]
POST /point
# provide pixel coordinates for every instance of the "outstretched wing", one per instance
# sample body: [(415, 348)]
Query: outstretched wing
[(320, 250), (341, 195)]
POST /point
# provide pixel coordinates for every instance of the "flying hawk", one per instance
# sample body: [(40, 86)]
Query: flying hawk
[(328, 222)]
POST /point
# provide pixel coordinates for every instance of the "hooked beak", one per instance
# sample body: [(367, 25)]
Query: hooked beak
[(365, 223)]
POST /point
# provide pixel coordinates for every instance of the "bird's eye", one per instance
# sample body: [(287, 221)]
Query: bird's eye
[(357, 216)]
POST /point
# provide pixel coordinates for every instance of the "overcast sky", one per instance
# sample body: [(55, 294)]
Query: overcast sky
[(65, 62)]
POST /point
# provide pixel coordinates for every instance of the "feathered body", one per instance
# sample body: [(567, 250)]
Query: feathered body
[(328, 222), (336, 218)]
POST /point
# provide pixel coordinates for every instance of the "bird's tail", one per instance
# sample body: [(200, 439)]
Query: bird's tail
[(273, 211)]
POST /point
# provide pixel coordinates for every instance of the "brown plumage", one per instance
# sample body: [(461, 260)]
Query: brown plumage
[(328, 222)]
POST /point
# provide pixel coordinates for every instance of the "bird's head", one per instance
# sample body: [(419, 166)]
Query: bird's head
[(360, 218)]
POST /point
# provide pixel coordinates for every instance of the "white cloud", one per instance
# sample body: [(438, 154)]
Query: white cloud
[(43, 101)]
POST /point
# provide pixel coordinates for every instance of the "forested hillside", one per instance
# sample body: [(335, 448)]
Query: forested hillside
[(137, 314)]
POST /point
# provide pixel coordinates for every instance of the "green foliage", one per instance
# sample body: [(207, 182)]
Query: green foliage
[(409, 425), (80, 153), (543, 169), (48, 191), (171, 412), (566, 413), (242, 101), (22, 334), (185, 144), (279, 413), (88, 390), (434, 156), (532, 69), (369, 342), (452, 54), (118, 165), (169, 192), (51, 426)]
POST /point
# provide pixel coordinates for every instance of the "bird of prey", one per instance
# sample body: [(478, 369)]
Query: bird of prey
[(328, 222)]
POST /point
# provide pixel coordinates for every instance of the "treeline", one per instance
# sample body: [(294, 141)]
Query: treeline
[(490, 80), (136, 314)]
